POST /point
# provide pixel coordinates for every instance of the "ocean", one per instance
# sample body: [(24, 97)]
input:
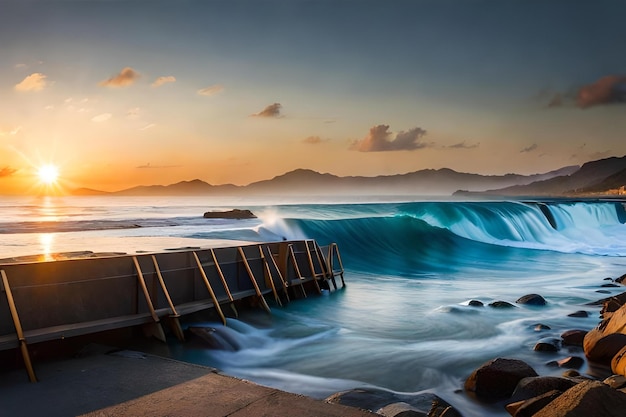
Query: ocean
[(402, 322)]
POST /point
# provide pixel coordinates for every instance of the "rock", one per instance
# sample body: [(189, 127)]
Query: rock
[(230, 214), (501, 304), (620, 279), (579, 313), (603, 291), (533, 386), (376, 399), (496, 380), (213, 338), (571, 362), (589, 398), (539, 327), (573, 337), (618, 363), (616, 381), (532, 299), (570, 373), (400, 409), (475, 303), (610, 285), (600, 347), (547, 344), (528, 408), (441, 408)]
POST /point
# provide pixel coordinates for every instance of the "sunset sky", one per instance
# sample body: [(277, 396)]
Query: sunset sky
[(119, 93)]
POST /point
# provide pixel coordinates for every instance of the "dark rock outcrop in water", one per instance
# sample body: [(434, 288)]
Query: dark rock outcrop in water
[(497, 379), (532, 299), (230, 214)]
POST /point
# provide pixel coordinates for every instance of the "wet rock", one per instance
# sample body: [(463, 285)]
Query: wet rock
[(603, 291), (608, 279), (573, 337), (496, 380), (589, 398), (529, 407), (230, 214), (534, 386), (475, 303), (616, 381), (618, 363), (376, 399), (441, 408), (539, 327), (501, 304), (611, 285), (212, 338), (575, 362), (621, 279), (579, 313), (571, 373), (552, 364), (400, 409), (548, 344), (600, 347), (532, 299)]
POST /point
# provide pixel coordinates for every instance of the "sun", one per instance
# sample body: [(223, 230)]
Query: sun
[(48, 174)]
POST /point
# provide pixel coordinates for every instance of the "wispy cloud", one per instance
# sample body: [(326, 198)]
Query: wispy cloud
[(133, 113), (124, 78), (33, 82), (11, 132), (211, 90), (463, 145), (273, 110), (101, 117), (314, 140), (380, 139), (610, 89), (163, 80), (148, 126), (150, 166), (530, 148), (7, 171)]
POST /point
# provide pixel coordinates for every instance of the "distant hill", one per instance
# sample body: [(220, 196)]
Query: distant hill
[(308, 182), (593, 177)]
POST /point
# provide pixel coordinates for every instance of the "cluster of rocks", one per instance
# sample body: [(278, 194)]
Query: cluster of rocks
[(516, 386), (237, 214)]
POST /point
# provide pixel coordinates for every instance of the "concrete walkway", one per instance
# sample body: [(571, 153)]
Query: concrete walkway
[(128, 383)]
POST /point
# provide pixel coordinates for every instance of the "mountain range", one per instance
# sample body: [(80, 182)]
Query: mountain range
[(592, 177)]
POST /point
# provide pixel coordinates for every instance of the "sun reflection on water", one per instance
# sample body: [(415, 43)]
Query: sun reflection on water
[(46, 241)]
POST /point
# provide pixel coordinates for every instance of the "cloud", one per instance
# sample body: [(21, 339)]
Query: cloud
[(380, 139), (314, 140), (11, 132), (133, 113), (463, 145), (211, 90), (33, 82), (6, 171), (610, 89), (150, 166), (529, 148), (163, 80), (273, 110), (148, 126), (101, 117), (124, 78)]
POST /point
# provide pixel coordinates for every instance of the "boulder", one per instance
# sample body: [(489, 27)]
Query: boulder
[(475, 303), (573, 337), (496, 380), (618, 363), (534, 386), (620, 279), (548, 344), (400, 409), (230, 214), (373, 399), (528, 408), (571, 362), (600, 347), (579, 313), (616, 381), (501, 304), (532, 299), (539, 327), (589, 398)]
